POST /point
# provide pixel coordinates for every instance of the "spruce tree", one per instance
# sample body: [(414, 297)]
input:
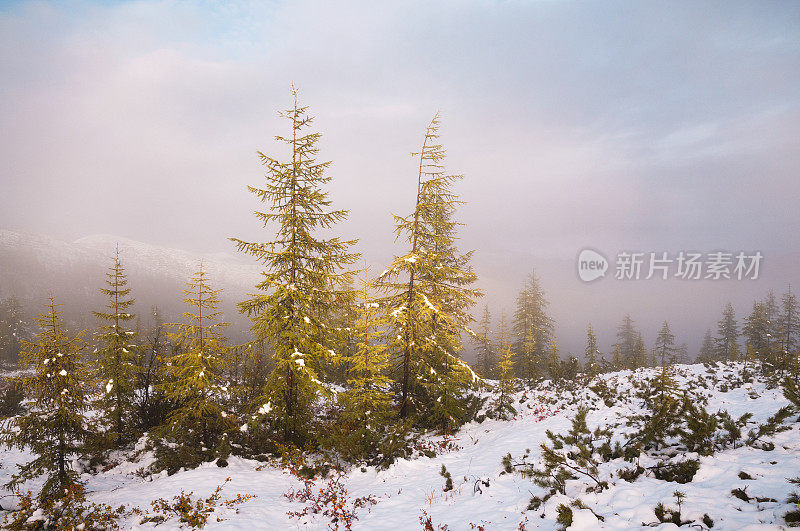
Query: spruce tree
[(707, 350), (627, 342), (368, 380), (502, 405), (304, 280), (55, 426), (728, 335), (772, 310), (257, 363), (640, 359), (533, 329), (151, 403), (571, 456), (554, 362), (117, 356), (681, 353), (486, 357), (664, 348), (664, 408), (736, 352), (789, 327), (774, 356), (617, 362), (194, 383), (570, 368), (336, 368), (791, 387), (757, 330), (367, 402), (13, 331), (429, 295)]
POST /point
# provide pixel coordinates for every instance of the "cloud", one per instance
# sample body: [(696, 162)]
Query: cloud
[(614, 125)]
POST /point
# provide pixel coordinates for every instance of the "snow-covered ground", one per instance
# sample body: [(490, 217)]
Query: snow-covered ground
[(409, 489)]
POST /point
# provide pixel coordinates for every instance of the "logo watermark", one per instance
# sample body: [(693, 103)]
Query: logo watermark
[(591, 265), (684, 265)]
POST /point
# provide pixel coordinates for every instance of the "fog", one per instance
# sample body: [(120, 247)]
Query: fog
[(615, 125)]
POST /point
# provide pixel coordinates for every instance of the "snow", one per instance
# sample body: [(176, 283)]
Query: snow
[(428, 304), (409, 486), (474, 376), (583, 519)]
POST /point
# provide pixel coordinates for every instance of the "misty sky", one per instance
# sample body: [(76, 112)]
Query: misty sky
[(615, 125)]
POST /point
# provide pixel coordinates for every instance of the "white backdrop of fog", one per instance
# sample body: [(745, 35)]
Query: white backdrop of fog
[(615, 125)]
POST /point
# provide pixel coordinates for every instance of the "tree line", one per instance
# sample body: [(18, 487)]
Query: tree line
[(339, 362)]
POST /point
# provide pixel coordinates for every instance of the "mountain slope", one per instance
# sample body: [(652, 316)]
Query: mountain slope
[(32, 265)]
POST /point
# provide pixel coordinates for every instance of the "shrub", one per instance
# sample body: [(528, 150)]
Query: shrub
[(681, 472), (448, 484), (70, 512), (196, 513)]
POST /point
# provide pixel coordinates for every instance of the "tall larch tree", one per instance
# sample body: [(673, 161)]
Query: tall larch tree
[(304, 281), (591, 353), (428, 295), (533, 329), (194, 382), (117, 357), (54, 426)]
